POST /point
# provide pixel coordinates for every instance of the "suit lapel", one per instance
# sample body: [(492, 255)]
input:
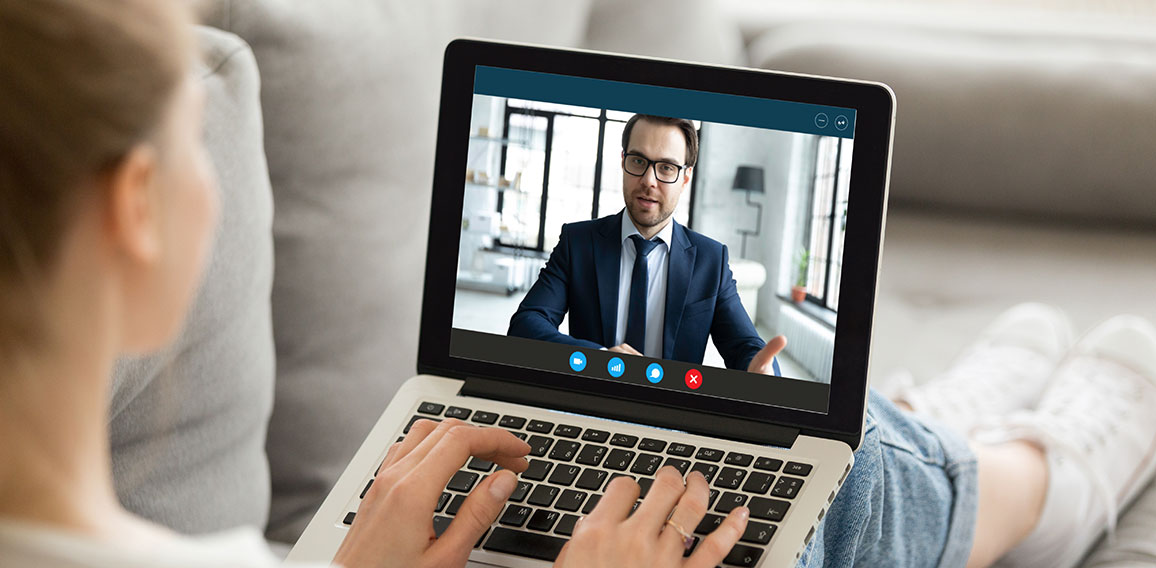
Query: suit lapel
[(680, 267), (607, 257)]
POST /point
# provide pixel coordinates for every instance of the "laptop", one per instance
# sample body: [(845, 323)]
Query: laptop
[(773, 227)]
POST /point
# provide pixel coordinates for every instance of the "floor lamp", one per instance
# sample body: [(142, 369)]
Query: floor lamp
[(750, 180)]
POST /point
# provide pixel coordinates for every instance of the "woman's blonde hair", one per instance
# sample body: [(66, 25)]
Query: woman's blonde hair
[(81, 83)]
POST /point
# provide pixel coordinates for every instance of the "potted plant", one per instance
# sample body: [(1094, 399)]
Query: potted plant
[(799, 290)]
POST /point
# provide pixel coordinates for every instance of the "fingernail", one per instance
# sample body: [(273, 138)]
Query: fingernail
[(503, 485), (744, 513)]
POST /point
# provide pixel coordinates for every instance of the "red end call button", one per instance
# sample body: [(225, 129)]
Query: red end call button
[(693, 379)]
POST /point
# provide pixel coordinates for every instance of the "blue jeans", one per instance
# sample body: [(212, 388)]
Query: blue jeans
[(910, 499)]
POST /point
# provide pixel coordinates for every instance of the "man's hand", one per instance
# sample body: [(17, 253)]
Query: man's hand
[(624, 348), (394, 525), (762, 362)]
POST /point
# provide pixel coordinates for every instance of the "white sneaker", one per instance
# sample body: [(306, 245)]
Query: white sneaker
[(1006, 370), (1097, 425)]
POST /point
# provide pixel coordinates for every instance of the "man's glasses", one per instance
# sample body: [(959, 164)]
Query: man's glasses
[(637, 164)]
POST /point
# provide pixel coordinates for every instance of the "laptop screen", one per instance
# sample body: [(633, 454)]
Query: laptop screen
[(668, 238)]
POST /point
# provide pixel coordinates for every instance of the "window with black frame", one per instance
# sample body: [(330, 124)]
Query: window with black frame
[(828, 221)]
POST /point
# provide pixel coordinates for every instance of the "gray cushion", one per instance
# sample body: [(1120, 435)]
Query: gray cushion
[(188, 425), (1046, 122), (350, 96)]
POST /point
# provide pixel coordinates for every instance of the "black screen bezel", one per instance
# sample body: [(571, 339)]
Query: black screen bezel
[(874, 106)]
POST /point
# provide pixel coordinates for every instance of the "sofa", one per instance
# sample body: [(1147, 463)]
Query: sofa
[(1020, 172)]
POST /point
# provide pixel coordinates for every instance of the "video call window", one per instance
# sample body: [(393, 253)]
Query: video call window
[(775, 199)]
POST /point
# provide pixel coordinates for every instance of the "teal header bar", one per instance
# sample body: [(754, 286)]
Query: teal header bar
[(665, 101)]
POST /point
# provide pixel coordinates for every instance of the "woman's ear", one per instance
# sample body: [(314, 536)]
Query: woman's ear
[(132, 208)]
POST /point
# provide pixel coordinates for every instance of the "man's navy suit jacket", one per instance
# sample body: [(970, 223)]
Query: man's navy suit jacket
[(581, 277)]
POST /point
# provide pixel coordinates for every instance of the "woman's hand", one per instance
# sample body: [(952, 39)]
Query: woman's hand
[(610, 536), (394, 525)]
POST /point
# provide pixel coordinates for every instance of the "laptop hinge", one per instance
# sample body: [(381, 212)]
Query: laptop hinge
[(694, 422)]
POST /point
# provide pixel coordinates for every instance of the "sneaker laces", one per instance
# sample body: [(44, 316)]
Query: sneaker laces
[(975, 377)]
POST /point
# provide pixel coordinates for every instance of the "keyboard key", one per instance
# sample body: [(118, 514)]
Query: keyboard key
[(521, 543), (681, 465), (646, 464), (539, 445), (520, 435), (709, 523), (415, 419), (442, 502), (458, 412), (768, 509), (651, 445), (730, 478), (768, 464), (540, 426), (758, 533), (729, 501), (570, 500), (543, 495), (482, 417), (520, 491), (591, 479), (706, 469), (711, 498), (462, 481), (787, 487), (567, 431), (366, 490), (741, 460), (743, 555), (758, 482), (709, 454), (618, 460), (796, 468), (440, 524), (564, 474), (512, 422), (432, 408), (644, 484), (624, 440), (566, 525), (455, 504), (543, 520), (349, 518), (564, 450), (680, 450), (591, 503), (515, 515), (538, 470), (599, 436), (591, 454), (616, 475), (479, 464)]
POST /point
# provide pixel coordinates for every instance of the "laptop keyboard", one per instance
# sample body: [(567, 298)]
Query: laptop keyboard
[(570, 466)]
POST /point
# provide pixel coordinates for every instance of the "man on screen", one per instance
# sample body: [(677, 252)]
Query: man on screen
[(637, 282)]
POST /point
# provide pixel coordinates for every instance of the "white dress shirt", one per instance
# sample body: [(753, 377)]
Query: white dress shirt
[(657, 269)]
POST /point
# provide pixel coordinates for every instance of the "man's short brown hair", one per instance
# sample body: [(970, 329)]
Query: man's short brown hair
[(686, 126)]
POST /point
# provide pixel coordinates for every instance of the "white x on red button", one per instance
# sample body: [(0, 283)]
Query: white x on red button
[(693, 379)]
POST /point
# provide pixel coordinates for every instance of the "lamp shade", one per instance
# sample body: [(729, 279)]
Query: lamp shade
[(749, 178)]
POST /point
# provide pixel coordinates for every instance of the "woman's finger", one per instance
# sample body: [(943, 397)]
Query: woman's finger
[(691, 508), (711, 551), (417, 432), (456, 445), (475, 516), (664, 493), (616, 502)]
